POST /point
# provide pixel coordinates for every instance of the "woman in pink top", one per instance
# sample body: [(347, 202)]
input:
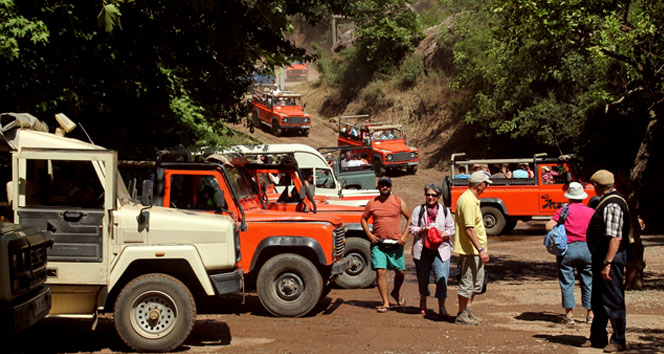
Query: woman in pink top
[(578, 255)]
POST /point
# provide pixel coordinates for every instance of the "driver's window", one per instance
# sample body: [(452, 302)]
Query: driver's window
[(63, 183)]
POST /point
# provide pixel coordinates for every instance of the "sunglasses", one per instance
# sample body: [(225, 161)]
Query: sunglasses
[(431, 195), (384, 186)]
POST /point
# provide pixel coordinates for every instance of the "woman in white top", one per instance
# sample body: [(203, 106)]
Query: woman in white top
[(424, 217)]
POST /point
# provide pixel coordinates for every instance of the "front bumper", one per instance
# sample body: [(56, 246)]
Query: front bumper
[(341, 266), (25, 311)]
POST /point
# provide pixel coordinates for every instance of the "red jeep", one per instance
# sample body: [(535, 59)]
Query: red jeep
[(297, 72), (384, 143), (535, 196), (279, 111)]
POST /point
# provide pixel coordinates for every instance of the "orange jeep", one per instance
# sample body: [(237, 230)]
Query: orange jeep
[(292, 199), (384, 143), (290, 259), (280, 111), (533, 192), (296, 72)]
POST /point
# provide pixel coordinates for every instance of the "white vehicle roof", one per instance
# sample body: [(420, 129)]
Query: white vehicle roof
[(306, 155)]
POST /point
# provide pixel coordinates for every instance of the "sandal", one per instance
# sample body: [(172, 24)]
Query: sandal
[(423, 307), (382, 309), (400, 300)]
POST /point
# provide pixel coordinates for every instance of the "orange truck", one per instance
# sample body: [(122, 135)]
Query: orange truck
[(508, 200), (292, 200), (297, 72), (384, 143), (278, 111), (290, 259)]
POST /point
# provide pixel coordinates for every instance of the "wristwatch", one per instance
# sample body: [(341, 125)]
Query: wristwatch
[(606, 263)]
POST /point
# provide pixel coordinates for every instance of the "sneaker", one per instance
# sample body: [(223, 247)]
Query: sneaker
[(614, 347), (465, 319), (473, 316), (569, 321)]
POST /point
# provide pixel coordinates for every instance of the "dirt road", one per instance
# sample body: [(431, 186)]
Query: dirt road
[(521, 309)]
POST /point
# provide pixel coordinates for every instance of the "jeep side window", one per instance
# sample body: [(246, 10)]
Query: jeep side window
[(63, 183), (194, 192)]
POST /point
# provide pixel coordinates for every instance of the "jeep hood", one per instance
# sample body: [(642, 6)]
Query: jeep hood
[(392, 146)]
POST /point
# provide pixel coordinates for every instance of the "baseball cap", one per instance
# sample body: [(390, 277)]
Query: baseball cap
[(385, 180), (602, 177), (480, 176)]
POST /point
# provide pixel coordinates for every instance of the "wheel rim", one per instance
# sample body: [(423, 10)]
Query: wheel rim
[(357, 264), (289, 286), (153, 314), (489, 221)]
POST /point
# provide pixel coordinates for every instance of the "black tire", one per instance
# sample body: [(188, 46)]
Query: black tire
[(305, 132), (360, 274), (447, 191), (289, 285), (411, 169), (510, 225), (154, 295), (378, 167), (255, 119), (494, 220), (274, 129)]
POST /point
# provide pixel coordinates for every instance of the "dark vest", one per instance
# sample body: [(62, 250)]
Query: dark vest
[(596, 237)]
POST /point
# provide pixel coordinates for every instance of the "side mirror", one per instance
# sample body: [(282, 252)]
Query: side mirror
[(146, 195)]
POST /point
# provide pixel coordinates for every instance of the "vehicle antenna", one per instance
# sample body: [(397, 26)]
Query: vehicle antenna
[(86, 132)]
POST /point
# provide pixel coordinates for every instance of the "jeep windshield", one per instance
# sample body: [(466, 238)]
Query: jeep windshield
[(239, 180)]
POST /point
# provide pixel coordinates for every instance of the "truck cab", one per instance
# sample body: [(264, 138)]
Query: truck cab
[(279, 111), (383, 143), (146, 264), (507, 200)]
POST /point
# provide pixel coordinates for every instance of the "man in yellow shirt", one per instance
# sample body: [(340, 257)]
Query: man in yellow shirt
[(471, 245)]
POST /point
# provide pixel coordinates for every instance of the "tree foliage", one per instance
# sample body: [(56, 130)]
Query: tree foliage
[(141, 76)]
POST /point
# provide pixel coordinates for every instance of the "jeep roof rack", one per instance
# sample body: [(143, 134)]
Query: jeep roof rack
[(461, 158)]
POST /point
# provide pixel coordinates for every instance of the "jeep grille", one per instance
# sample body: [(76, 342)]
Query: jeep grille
[(297, 120), (339, 241), (27, 266), (401, 156)]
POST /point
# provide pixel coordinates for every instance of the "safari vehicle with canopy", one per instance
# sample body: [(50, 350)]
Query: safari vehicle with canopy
[(350, 165), (147, 265), (290, 259), (279, 111), (310, 161), (507, 200), (384, 143)]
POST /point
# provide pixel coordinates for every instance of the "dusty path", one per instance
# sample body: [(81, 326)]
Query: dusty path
[(521, 309)]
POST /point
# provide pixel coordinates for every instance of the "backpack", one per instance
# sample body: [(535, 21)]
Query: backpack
[(555, 240)]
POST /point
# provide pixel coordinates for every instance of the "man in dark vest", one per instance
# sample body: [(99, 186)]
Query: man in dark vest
[(607, 239)]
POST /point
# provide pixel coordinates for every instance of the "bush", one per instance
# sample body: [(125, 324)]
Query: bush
[(411, 70), (373, 97)]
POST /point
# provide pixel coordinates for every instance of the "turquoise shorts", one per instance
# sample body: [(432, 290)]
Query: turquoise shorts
[(390, 257)]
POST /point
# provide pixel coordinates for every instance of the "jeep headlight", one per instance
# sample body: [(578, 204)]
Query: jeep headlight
[(306, 120), (413, 155), (388, 158), (284, 120)]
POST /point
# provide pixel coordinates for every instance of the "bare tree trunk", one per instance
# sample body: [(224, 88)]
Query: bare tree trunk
[(636, 260)]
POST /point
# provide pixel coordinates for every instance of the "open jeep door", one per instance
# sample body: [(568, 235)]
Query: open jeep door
[(68, 195)]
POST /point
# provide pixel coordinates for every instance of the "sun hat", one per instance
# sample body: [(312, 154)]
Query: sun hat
[(575, 191), (546, 168), (479, 176), (602, 177)]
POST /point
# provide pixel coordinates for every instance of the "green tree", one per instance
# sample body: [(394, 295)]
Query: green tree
[(141, 76), (574, 74)]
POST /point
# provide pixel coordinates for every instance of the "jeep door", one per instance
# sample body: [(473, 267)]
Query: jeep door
[(553, 179), (69, 195)]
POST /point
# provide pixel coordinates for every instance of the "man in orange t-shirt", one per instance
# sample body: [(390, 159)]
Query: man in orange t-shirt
[(387, 240)]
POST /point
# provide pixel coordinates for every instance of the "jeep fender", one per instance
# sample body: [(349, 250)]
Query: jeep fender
[(356, 226), (187, 253), (494, 202), (288, 242)]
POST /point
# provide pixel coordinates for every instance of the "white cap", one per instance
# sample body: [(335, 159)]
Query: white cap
[(479, 176)]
